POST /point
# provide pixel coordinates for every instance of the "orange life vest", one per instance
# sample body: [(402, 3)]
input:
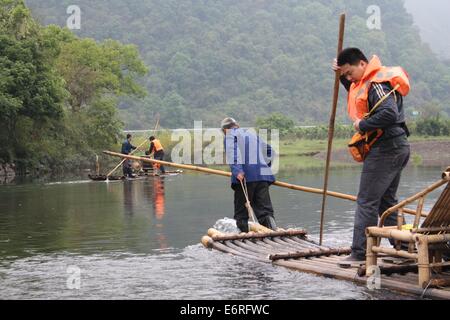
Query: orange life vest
[(357, 101), (157, 145)]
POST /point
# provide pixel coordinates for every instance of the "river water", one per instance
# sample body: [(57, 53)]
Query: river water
[(140, 239)]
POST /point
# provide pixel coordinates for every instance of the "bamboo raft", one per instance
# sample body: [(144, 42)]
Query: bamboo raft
[(102, 177), (292, 249), (141, 175)]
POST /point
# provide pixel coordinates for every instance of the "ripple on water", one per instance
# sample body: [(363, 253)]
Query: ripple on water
[(191, 273), (126, 249)]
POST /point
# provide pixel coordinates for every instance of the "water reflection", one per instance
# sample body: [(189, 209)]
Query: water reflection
[(45, 227), (129, 197), (146, 198), (156, 191)]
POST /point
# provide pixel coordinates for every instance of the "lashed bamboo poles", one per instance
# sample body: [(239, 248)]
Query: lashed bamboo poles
[(309, 253), (228, 174), (441, 211), (326, 266), (397, 269), (287, 233), (331, 125)]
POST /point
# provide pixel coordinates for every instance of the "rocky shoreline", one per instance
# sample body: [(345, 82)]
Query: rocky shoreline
[(7, 172)]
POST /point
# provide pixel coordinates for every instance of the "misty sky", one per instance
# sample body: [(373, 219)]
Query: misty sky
[(433, 19)]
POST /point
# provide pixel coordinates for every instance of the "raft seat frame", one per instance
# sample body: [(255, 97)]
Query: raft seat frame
[(426, 244)]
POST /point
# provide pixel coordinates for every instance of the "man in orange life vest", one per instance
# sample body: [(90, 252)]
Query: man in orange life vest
[(368, 82), (158, 152)]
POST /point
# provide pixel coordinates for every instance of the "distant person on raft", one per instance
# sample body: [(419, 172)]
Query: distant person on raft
[(157, 149), (127, 147)]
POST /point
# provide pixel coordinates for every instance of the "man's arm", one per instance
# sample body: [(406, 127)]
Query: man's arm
[(346, 83), (386, 113), (152, 146), (267, 151), (233, 155)]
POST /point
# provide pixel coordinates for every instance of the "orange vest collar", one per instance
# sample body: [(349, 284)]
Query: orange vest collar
[(375, 72)]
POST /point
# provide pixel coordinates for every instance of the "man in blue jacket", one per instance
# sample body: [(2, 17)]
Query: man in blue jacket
[(127, 147), (249, 158)]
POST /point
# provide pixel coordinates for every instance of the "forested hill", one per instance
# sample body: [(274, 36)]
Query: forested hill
[(249, 58)]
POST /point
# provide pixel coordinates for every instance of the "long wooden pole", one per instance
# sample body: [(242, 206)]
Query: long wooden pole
[(121, 162), (331, 125), (228, 174)]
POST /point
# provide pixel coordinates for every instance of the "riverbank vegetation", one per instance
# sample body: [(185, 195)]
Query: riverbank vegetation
[(58, 92), (64, 97)]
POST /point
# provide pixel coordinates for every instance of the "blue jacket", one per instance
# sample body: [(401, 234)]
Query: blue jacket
[(127, 147), (248, 153)]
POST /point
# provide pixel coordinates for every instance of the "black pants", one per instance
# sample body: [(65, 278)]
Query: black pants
[(159, 155), (258, 194), (126, 168), (380, 178)]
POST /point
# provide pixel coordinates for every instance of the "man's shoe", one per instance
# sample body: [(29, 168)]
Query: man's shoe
[(352, 261)]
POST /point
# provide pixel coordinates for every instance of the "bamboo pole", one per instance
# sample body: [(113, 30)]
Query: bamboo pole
[(228, 174), (423, 261), (434, 238), (394, 252), (121, 162), (288, 233), (439, 283), (371, 257), (331, 125), (418, 210), (309, 253), (97, 165), (390, 234)]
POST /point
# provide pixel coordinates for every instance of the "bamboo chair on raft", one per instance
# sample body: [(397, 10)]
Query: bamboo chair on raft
[(427, 243)]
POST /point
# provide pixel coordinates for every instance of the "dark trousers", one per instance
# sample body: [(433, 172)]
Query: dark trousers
[(159, 155), (126, 168), (380, 178), (258, 194)]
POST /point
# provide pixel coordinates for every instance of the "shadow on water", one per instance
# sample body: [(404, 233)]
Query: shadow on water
[(140, 239)]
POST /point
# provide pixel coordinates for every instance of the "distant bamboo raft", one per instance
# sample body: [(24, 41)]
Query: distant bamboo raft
[(102, 177), (292, 249), (228, 174)]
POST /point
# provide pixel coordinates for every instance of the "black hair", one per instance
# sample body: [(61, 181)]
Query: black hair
[(352, 56), (230, 126), (128, 136), (152, 138)]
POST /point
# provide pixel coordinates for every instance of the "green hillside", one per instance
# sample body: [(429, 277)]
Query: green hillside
[(249, 58)]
